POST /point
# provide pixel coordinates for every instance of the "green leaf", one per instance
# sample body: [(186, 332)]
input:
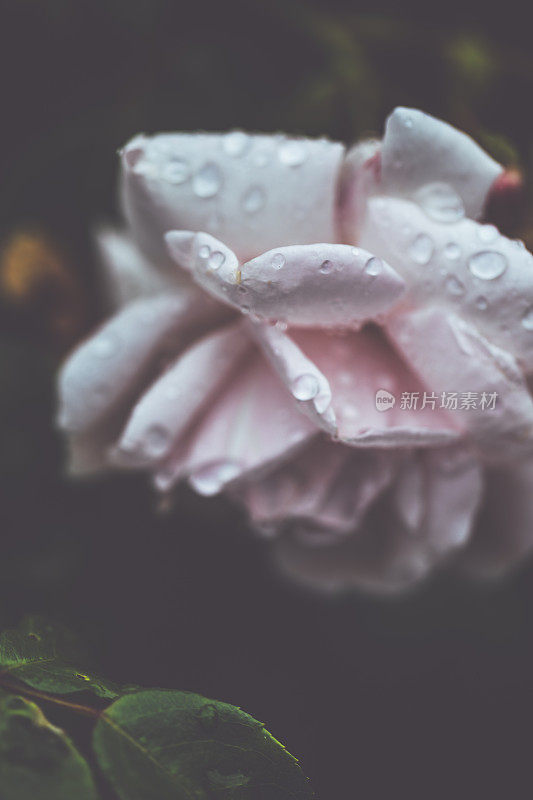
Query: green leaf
[(179, 746), (37, 760), (48, 656)]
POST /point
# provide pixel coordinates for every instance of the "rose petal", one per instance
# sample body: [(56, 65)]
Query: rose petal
[(297, 487), (437, 496), (300, 375), (418, 149), (174, 401), (466, 267), (106, 370), (321, 285), (451, 356), (358, 366), (252, 425), (252, 191), (127, 273), (393, 552), (326, 485), (382, 558)]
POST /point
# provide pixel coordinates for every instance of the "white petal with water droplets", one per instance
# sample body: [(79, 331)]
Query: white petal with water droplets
[(358, 367), (469, 268), (109, 368), (419, 150), (251, 426), (302, 378), (323, 285), (175, 400), (451, 356), (252, 191)]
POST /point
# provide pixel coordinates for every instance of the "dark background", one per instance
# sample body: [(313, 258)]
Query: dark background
[(427, 696)]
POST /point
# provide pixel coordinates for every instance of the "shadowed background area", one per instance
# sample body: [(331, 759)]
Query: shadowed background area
[(431, 693)]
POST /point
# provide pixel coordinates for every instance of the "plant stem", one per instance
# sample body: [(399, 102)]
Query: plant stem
[(77, 708)]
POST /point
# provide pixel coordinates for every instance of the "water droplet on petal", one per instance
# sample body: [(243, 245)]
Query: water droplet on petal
[(421, 249), (373, 266), (487, 233), (236, 143), (254, 199), (481, 303), (156, 442), (207, 181), (215, 260), (440, 202), (527, 319), (292, 153), (278, 261), (305, 387), (487, 265), (204, 251), (452, 251), (176, 171), (105, 345), (454, 286), (326, 267)]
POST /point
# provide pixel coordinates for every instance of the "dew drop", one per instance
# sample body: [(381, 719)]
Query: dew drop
[(278, 261), (215, 260), (254, 200), (305, 387), (487, 233), (452, 251), (176, 171), (482, 303), (454, 286), (105, 345), (326, 267), (207, 181), (204, 251), (440, 202), (373, 266), (487, 265), (527, 319), (156, 441), (421, 249), (236, 143), (292, 153)]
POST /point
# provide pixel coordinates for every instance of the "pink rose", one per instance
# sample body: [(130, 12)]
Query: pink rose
[(365, 398)]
